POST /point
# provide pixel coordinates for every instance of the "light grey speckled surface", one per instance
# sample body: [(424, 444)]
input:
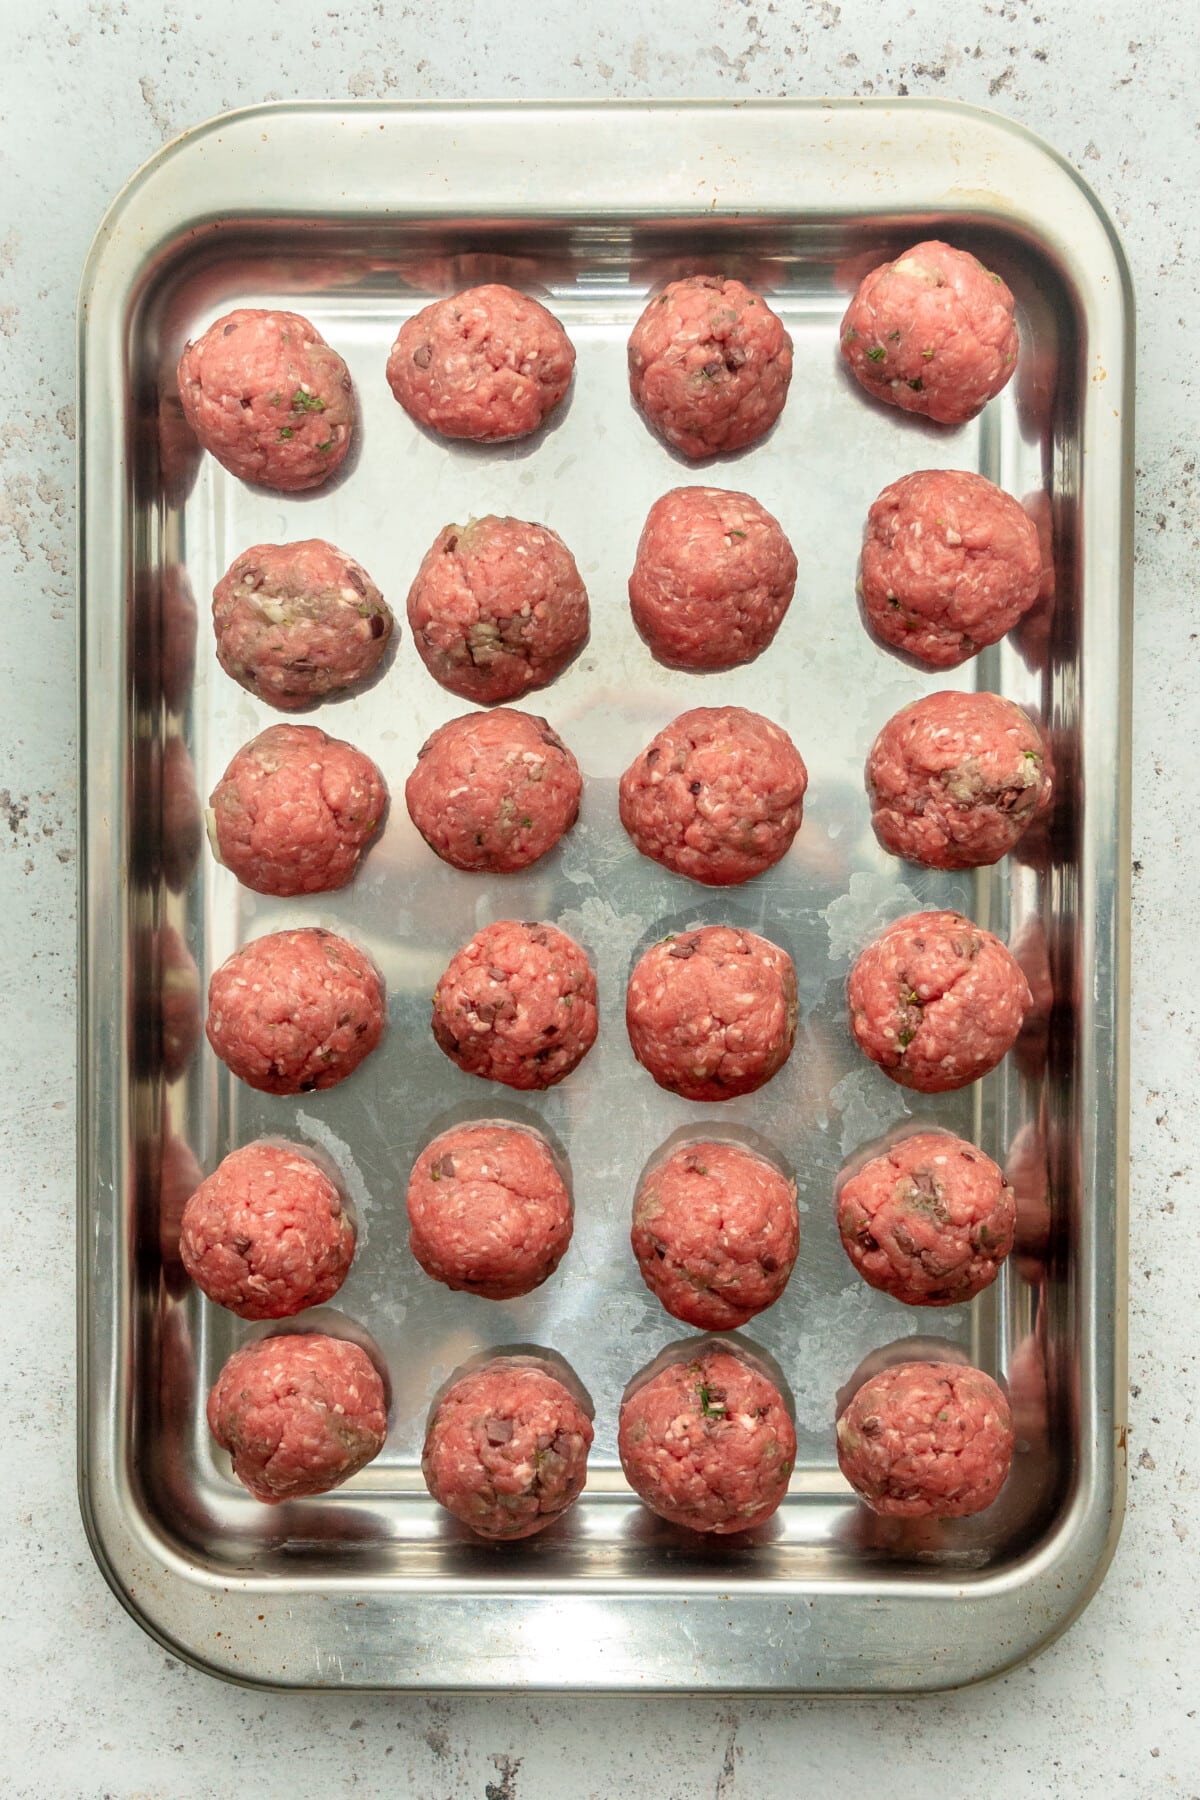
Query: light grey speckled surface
[(90, 1707)]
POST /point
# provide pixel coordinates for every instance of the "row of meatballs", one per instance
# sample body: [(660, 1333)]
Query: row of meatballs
[(950, 564), (936, 1001), (706, 1435), (710, 365), (954, 780)]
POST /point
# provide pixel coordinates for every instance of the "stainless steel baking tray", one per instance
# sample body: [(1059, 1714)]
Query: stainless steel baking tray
[(356, 216)]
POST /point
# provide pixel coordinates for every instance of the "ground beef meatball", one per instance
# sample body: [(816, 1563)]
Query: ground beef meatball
[(267, 1235), (488, 1212), (932, 332), (712, 1013), (267, 396), (713, 578), (299, 623), (298, 1414), (506, 1449), (497, 607), (488, 364), (708, 1443), (517, 1004), (715, 1234), (950, 562), (494, 791), (718, 795), (295, 810), (296, 1010), (929, 1222), (709, 365), (926, 1440), (954, 779), (936, 1001)]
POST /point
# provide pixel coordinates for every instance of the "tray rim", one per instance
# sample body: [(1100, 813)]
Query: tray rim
[(133, 1563)]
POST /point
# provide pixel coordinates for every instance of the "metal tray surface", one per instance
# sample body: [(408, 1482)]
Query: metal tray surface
[(356, 216)]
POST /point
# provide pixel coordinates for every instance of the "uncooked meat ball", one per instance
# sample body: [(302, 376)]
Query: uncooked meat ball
[(267, 1235), (713, 578), (488, 364), (707, 1443), (506, 1449), (267, 396), (712, 1013), (715, 1234), (937, 1001), (954, 779), (929, 1222), (950, 562), (709, 365), (517, 1004), (926, 1440), (295, 810), (488, 1211), (299, 623), (497, 608), (296, 1010), (494, 791), (932, 332), (298, 1414), (717, 795)]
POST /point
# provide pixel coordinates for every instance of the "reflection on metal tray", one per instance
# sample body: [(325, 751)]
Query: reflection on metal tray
[(356, 217)]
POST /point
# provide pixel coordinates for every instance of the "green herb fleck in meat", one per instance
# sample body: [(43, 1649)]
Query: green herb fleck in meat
[(928, 355), (733, 533), (274, 399), (327, 445), (893, 337), (877, 352), (850, 336), (526, 824), (916, 385), (302, 402), (906, 1036), (712, 1409), (285, 432)]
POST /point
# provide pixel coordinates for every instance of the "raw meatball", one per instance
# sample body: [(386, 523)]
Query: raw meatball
[(712, 1013), (715, 1234), (497, 607), (506, 1449), (517, 1004), (713, 578), (708, 1444), (926, 1440), (296, 1010), (949, 564), (929, 1222), (488, 364), (298, 623), (298, 1414), (709, 365), (932, 332), (267, 396), (488, 1211), (718, 795), (936, 1001), (494, 791), (295, 810), (267, 1235), (954, 779)]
